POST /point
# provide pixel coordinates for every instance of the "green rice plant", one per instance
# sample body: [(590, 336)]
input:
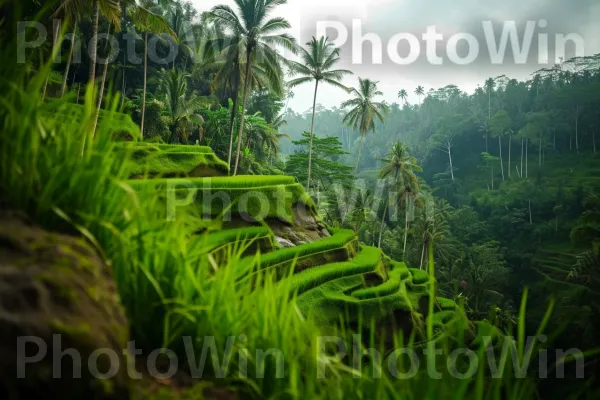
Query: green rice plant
[(218, 182), (178, 164), (340, 239), (366, 261), (246, 197), (223, 237), (446, 304), (71, 116), (418, 276), (391, 286), (145, 148)]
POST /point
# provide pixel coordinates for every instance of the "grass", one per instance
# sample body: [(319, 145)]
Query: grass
[(178, 164), (446, 304), (254, 198), (340, 239), (230, 182), (419, 276), (368, 260), (391, 286), (145, 148)]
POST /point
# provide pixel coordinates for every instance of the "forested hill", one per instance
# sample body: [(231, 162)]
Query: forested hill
[(524, 159)]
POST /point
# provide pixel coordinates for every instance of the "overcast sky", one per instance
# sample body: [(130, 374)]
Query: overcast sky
[(387, 18)]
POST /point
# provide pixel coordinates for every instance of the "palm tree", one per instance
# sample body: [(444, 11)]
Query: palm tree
[(148, 22), (290, 95), (73, 10), (436, 230), (230, 67), (420, 91), (180, 107), (362, 209), (403, 94), (364, 111), (490, 83), (402, 166), (255, 34), (317, 65)]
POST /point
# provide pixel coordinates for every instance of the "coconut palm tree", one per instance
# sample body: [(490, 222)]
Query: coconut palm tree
[(318, 62), (403, 94), (490, 83), (74, 10), (420, 91), (402, 166), (230, 66), (256, 35), (181, 108), (364, 111), (147, 22), (437, 230)]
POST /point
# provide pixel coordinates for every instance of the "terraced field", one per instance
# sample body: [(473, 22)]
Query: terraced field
[(275, 225)]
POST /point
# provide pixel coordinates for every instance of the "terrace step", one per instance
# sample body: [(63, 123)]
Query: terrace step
[(149, 160), (341, 246), (367, 261)]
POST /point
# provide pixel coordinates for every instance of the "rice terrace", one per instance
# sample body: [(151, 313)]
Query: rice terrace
[(214, 200)]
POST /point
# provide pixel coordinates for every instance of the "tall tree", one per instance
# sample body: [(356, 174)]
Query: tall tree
[(420, 91), (147, 22), (75, 9), (256, 34), (181, 107), (318, 62), (402, 166), (402, 95), (490, 84), (364, 111), (500, 124)]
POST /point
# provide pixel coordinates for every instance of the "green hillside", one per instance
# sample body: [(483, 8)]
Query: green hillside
[(332, 277)]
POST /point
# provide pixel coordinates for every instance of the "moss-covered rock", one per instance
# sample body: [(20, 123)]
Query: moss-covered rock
[(50, 285)]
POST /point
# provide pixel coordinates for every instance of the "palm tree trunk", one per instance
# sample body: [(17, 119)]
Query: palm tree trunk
[(101, 92), (234, 111), (577, 130), (540, 152), (94, 41), (509, 153), (362, 142), (500, 149), (450, 160), (124, 67), (526, 157), (244, 103), (522, 148), (381, 226), (312, 132), (145, 84), (42, 62), (69, 60), (405, 230), (54, 45)]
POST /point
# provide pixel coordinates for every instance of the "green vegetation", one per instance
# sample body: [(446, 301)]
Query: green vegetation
[(342, 245), (448, 242)]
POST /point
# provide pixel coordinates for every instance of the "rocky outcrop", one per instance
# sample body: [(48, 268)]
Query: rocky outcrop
[(57, 298)]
